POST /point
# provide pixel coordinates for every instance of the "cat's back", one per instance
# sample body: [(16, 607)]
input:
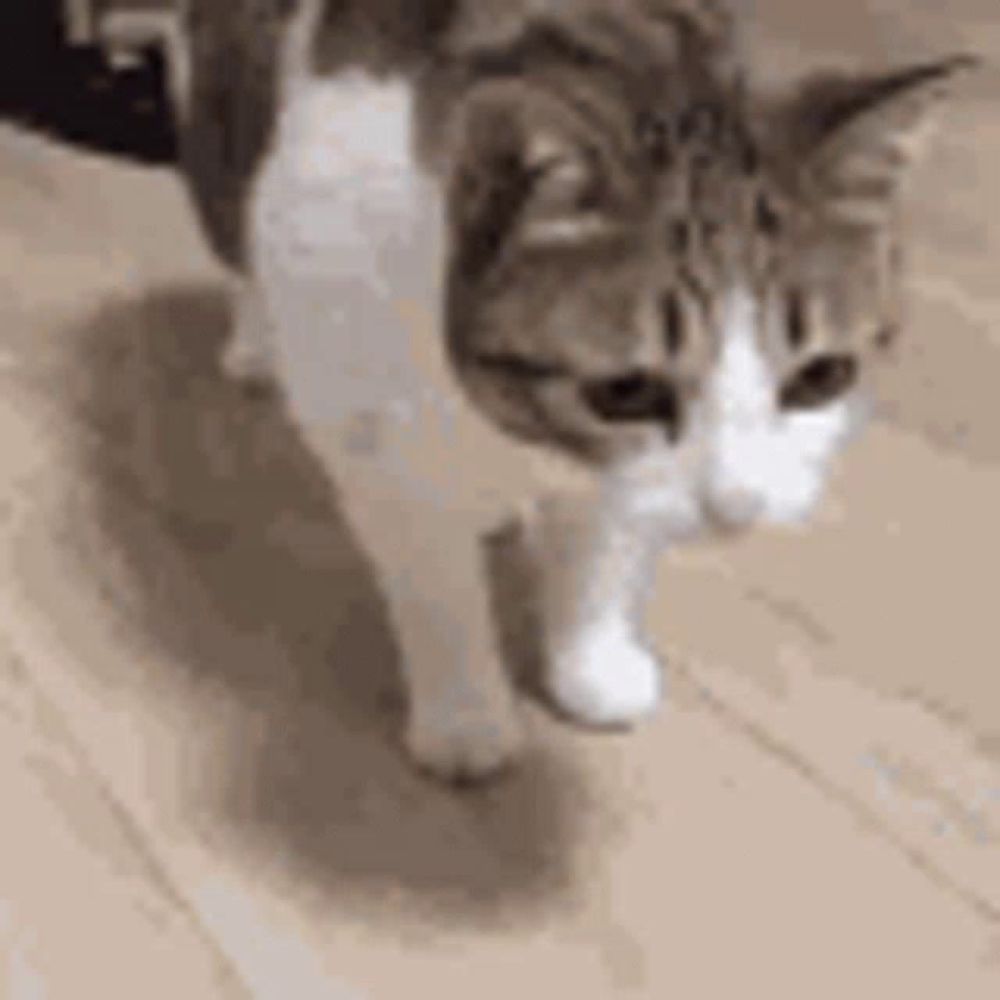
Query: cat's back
[(370, 66)]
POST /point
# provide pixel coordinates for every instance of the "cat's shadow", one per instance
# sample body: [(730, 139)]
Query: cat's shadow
[(238, 567)]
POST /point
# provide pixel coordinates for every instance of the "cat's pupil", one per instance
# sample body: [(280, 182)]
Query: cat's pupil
[(819, 381), (635, 396)]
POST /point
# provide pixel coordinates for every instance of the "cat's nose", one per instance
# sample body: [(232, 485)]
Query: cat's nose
[(733, 508)]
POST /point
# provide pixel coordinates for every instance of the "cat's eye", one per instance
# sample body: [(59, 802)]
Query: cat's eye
[(633, 397), (820, 381)]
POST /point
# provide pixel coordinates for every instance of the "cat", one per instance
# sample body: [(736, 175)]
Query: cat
[(553, 260)]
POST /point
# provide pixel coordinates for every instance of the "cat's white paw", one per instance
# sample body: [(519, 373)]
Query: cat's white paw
[(467, 746), (247, 361), (605, 678)]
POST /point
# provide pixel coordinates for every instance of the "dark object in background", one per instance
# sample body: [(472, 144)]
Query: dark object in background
[(74, 94)]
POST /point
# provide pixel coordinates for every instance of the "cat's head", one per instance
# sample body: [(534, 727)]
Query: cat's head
[(696, 290)]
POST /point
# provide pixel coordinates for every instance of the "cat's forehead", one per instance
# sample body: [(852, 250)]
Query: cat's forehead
[(736, 217), (719, 193)]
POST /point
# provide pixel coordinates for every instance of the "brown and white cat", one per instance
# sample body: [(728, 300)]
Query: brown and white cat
[(548, 257)]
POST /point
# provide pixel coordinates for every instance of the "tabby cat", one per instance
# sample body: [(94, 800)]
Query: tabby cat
[(551, 259)]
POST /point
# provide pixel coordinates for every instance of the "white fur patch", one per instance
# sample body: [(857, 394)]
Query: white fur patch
[(604, 677), (348, 243), (763, 463), (743, 459)]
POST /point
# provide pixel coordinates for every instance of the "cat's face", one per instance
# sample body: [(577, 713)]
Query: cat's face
[(694, 302)]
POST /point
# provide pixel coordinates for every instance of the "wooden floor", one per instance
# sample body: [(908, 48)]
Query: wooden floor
[(202, 791)]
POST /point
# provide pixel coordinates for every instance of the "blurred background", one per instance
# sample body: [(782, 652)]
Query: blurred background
[(90, 71)]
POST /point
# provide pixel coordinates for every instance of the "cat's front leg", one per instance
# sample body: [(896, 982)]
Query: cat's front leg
[(595, 563), (428, 558)]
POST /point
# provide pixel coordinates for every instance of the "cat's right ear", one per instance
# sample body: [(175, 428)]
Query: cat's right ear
[(523, 172), (856, 138)]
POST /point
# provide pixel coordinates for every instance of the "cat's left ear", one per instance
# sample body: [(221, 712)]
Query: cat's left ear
[(856, 139)]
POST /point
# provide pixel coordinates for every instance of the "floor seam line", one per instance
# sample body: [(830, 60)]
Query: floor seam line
[(130, 827), (785, 754)]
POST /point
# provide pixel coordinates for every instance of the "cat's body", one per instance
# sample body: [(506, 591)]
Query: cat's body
[(556, 239)]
